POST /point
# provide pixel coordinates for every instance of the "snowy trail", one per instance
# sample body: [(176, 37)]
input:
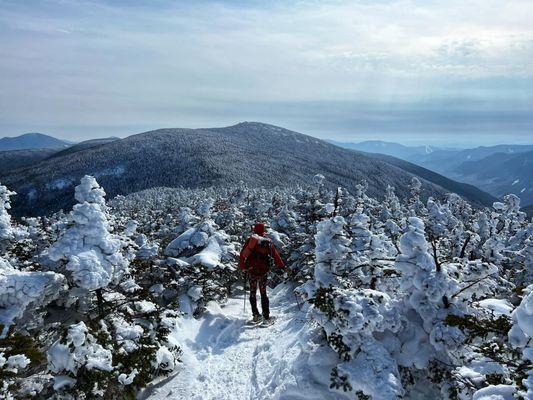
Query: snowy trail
[(223, 358)]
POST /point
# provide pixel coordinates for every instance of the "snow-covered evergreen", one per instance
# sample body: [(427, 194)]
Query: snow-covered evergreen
[(24, 293), (6, 230), (387, 299), (92, 253)]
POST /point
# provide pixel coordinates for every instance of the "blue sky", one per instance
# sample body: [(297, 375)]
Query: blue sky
[(440, 72)]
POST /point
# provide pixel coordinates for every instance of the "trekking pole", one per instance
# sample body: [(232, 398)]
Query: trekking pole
[(297, 301)]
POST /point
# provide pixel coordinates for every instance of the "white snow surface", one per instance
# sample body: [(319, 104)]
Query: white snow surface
[(224, 358), (495, 392), (523, 315), (498, 306)]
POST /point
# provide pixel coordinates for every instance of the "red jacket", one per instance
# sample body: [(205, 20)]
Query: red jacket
[(255, 255)]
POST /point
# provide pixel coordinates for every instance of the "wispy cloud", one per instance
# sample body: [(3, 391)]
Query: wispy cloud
[(83, 67)]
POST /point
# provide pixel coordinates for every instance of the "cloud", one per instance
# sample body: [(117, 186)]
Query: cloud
[(72, 64)]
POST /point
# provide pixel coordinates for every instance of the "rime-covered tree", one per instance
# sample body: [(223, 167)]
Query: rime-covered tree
[(414, 203), (91, 254), (351, 317), (204, 263), (6, 229)]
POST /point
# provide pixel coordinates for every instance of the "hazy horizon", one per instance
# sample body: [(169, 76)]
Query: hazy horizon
[(412, 72)]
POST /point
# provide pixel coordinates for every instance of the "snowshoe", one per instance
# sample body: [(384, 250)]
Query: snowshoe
[(256, 320), (268, 321)]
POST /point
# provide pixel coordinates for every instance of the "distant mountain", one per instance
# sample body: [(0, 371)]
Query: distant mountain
[(439, 159), (497, 170), (13, 159), (500, 174), (253, 153), (447, 161), (31, 141), (465, 190), (388, 148)]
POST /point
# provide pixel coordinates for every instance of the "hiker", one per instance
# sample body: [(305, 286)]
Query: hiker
[(256, 256)]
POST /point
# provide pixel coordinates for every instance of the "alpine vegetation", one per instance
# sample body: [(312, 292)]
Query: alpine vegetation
[(390, 298)]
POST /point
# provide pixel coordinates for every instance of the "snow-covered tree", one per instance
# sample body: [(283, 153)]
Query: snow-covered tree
[(527, 271), (23, 294), (9, 232), (10, 366), (113, 359), (414, 203), (147, 249), (205, 265), (521, 337), (284, 221), (93, 255), (332, 252), (6, 229), (407, 297), (351, 316), (426, 283), (428, 287)]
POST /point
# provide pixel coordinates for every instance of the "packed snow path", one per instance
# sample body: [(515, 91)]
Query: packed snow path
[(224, 358)]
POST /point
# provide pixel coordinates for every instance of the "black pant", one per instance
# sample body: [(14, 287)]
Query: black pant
[(260, 281)]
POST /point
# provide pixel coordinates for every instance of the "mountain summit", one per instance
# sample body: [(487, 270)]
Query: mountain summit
[(255, 154), (31, 141)]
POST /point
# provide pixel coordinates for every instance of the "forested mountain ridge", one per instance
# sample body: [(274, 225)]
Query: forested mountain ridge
[(500, 174), (87, 144), (13, 159), (498, 170), (253, 153), (466, 190)]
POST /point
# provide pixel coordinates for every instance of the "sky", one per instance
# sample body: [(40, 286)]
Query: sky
[(448, 72)]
